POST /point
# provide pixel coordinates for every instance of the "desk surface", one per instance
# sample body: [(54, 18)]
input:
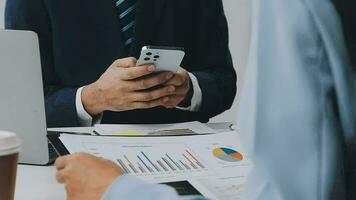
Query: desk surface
[(39, 182)]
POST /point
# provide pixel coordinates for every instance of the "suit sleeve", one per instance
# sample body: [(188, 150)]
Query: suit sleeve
[(33, 16), (216, 77)]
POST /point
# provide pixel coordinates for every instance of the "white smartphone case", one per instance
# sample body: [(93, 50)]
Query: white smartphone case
[(165, 59)]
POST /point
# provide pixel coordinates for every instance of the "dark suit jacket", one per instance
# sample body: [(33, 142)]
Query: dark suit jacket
[(80, 39), (346, 9)]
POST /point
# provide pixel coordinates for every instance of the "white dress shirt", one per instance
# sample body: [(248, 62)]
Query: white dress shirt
[(298, 105), (86, 120)]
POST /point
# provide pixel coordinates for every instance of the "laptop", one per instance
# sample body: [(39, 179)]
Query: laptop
[(22, 104)]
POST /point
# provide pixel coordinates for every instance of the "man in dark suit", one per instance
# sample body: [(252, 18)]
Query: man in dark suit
[(80, 39)]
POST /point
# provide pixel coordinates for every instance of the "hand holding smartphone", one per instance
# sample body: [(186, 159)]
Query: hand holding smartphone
[(168, 59), (164, 58)]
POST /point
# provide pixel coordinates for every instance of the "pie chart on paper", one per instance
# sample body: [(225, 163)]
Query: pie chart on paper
[(227, 154)]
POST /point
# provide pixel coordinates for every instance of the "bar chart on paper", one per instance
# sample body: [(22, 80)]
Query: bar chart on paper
[(144, 163), (173, 160)]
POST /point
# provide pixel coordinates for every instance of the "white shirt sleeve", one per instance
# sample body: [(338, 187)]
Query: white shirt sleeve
[(85, 120), (197, 95)]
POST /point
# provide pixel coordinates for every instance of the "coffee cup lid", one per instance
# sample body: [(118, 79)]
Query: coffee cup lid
[(9, 143)]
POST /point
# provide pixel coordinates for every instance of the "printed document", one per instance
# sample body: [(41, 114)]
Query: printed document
[(214, 164)]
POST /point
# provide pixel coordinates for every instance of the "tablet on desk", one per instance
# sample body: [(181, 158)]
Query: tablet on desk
[(183, 188), (204, 161), (59, 147)]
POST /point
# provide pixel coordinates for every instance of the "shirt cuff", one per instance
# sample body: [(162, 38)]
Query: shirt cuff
[(85, 120), (197, 97), (130, 187)]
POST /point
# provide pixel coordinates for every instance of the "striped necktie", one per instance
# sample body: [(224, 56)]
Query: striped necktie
[(127, 13)]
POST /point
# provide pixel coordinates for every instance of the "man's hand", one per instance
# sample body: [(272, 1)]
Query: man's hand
[(124, 87), (86, 177), (184, 90)]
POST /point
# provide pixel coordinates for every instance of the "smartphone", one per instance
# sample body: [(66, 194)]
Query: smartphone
[(164, 58)]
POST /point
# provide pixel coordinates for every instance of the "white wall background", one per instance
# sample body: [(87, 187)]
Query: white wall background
[(238, 15), (2, 7)]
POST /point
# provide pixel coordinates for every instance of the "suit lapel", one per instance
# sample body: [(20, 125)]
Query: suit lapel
[(149, 13)]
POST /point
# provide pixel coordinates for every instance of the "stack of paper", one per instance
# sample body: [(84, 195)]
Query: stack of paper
[(190, 128)]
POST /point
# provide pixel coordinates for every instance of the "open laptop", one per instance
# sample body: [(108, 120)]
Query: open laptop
[(22, 108)]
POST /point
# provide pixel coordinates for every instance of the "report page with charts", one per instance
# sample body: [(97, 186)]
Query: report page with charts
[(214, 164)]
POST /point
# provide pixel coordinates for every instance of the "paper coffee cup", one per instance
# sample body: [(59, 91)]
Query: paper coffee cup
[(10, 146)]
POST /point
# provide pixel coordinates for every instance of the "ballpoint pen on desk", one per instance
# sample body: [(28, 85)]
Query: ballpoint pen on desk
[(178, 132)]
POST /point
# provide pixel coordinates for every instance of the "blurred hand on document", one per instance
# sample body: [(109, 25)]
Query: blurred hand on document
[(86, 177)]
